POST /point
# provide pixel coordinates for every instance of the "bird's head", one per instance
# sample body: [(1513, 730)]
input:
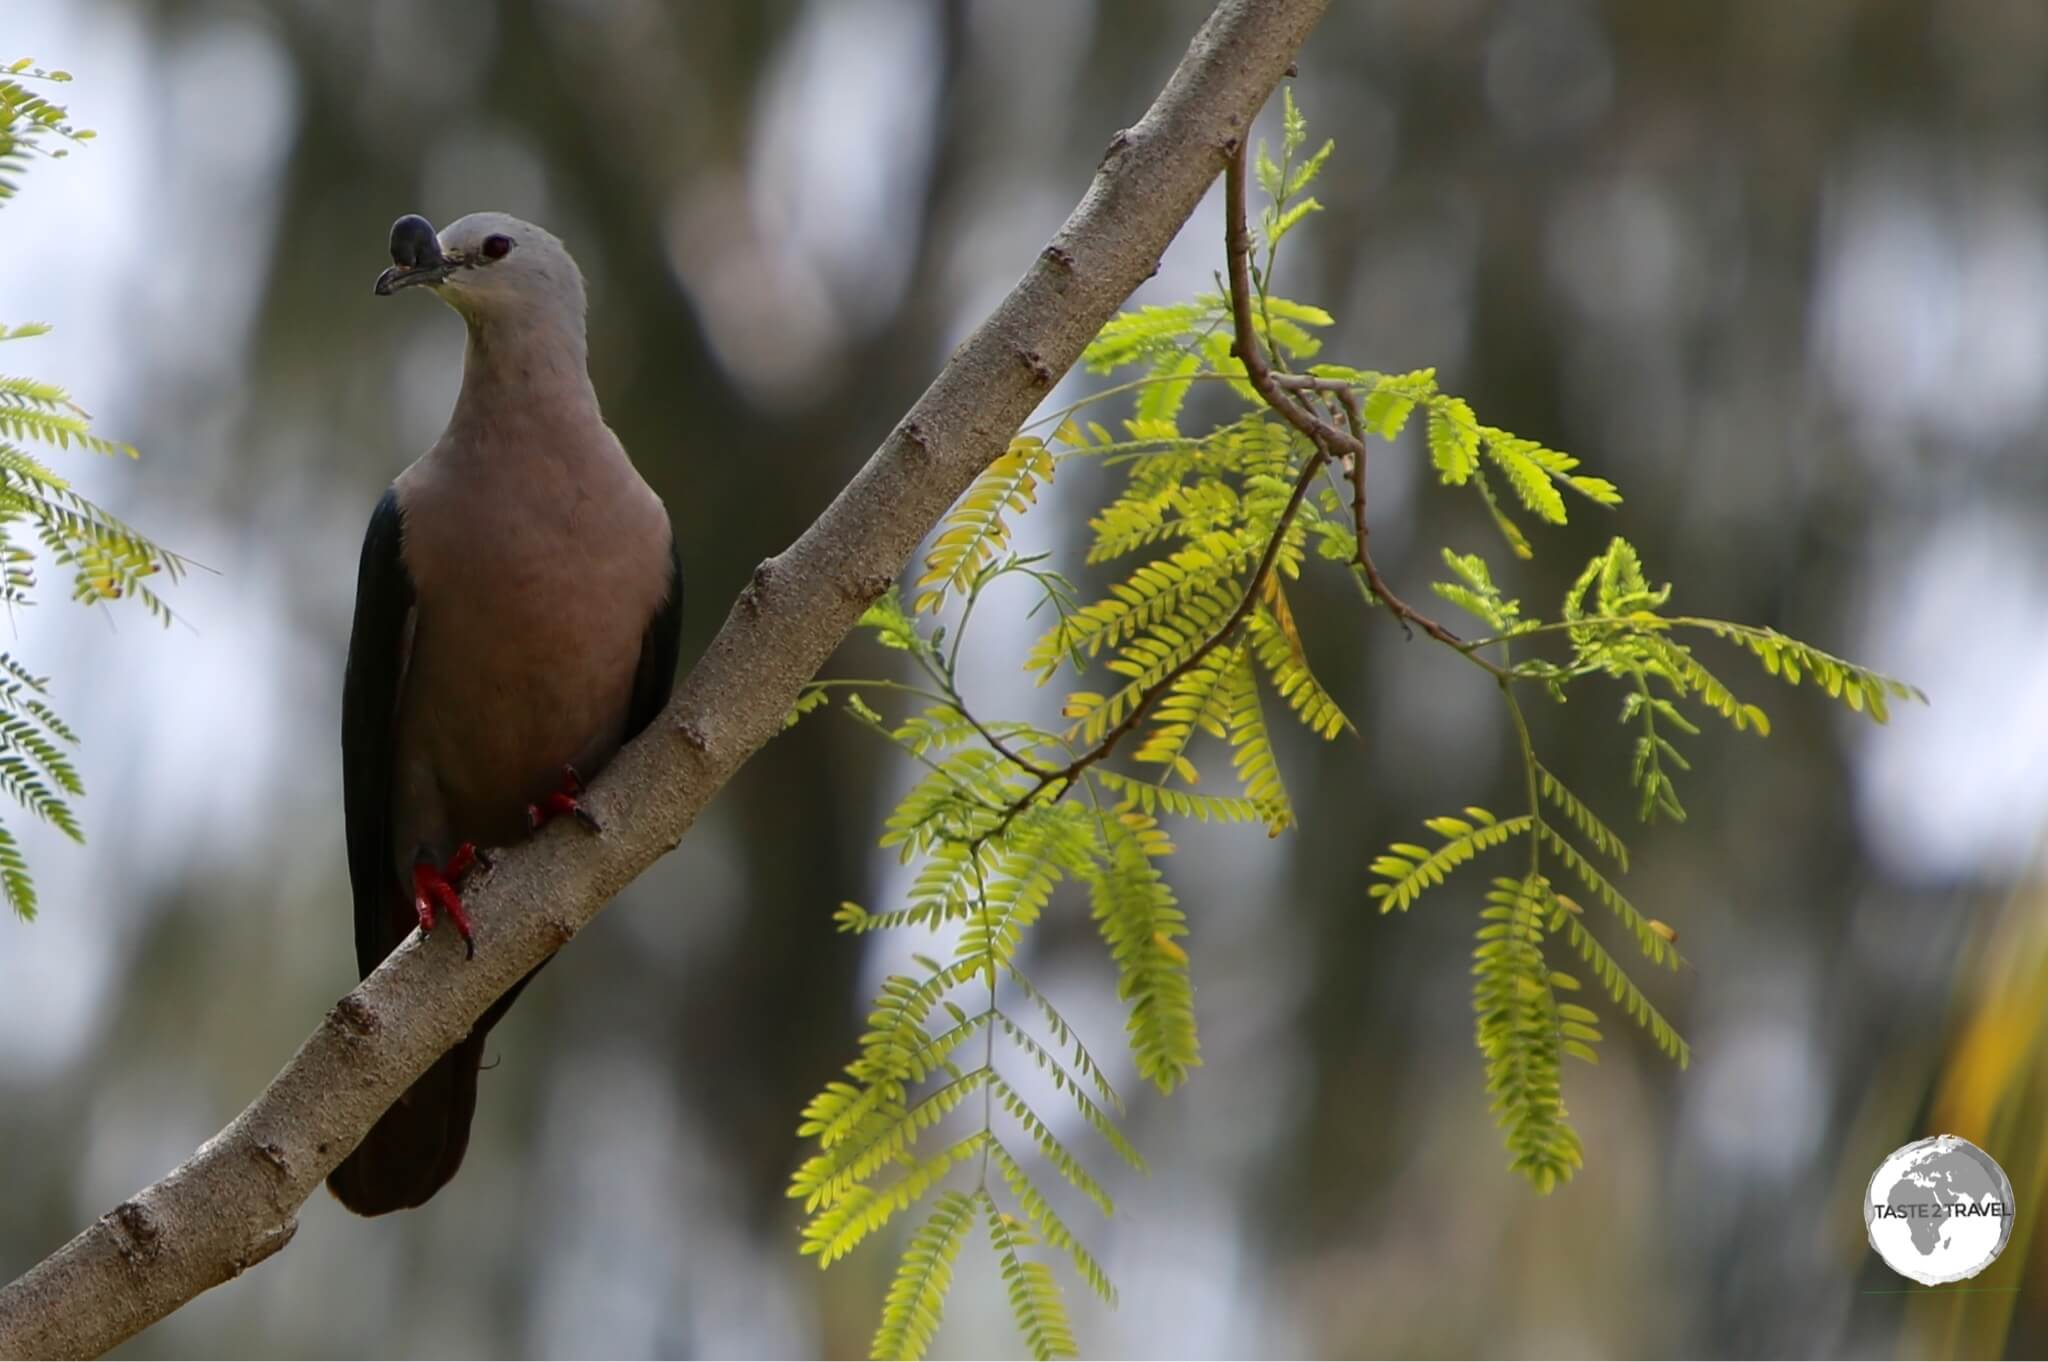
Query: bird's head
[(486, 266)]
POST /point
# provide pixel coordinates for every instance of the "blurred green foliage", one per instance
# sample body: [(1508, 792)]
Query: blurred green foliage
[(107, 559)]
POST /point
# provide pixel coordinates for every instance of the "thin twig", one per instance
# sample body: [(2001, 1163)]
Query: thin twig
[(1279, 392), (953, 698), (1002, 750)]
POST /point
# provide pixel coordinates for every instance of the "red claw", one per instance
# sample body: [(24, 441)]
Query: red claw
[(560, 801), (434, 892)]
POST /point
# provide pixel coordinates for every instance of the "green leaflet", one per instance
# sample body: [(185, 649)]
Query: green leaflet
[(917, 1296), (1521, 1032), (977, 528)]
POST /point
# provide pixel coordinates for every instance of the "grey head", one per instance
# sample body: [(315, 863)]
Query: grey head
[(487, 266)]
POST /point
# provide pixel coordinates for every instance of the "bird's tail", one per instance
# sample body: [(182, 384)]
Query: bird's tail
[(417, 1146)]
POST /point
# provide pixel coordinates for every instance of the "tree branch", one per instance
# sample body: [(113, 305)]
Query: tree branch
[(233, 1203)]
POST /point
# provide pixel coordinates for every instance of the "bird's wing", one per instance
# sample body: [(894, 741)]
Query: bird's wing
[(377, 648), (656, 675)]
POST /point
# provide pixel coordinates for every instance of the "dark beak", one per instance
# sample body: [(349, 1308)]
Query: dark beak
[(405, 276), (415, 255)]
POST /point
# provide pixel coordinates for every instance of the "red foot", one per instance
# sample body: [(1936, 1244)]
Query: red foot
[(434, 892), (561, 801)]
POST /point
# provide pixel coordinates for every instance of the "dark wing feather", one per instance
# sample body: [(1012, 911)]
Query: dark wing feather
[(369, 714), (656, 676)]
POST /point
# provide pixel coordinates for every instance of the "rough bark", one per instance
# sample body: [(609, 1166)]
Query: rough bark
[(234, 1202)]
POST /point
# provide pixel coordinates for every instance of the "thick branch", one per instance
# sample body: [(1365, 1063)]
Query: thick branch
[(234, 1202)]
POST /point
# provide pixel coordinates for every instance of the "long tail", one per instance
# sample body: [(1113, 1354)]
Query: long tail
[(417, 1146)]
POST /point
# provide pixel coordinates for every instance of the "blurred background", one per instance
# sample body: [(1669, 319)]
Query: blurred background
[(1781, 271)]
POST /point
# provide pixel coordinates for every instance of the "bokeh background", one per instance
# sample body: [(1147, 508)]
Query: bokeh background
[(1780, 270)]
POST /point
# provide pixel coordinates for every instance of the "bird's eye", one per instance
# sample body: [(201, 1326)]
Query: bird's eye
[(497, 247)]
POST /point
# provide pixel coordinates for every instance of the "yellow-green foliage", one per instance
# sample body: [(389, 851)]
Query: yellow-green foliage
[(1166, 667), (976, 529), (1613, 622), (106, 559), (29, 123), (1524, 1031)]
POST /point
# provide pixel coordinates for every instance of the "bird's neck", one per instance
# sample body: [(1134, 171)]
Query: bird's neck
[(525, 371)]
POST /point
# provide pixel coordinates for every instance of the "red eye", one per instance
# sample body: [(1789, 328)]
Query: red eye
[(497, 247)]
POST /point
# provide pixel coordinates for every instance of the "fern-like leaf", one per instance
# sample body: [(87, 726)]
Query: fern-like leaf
[(15, 881), (1521, 1034), (1603, 838), (1050, 1227), (1064, 1081), (1277, 642), (1409, 871), (1149, 797), (1197, 580), (1475, 593), (1859, 688), (1149, 658), (1082, 1062), (1251, 745), (1193, 703), (1145, 333), (1070, 1168), (862, 1209), (1141, 920), (1453, 440), (1036, 1302), (1654, 944), (917, 1295), (1620, 986), (975, 530), (1531, 482)]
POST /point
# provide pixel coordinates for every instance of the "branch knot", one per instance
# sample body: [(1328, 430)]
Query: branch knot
[(135, 1231), (354, 1016)]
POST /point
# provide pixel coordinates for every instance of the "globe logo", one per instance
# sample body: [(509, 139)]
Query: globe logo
[(1939, 1210)]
